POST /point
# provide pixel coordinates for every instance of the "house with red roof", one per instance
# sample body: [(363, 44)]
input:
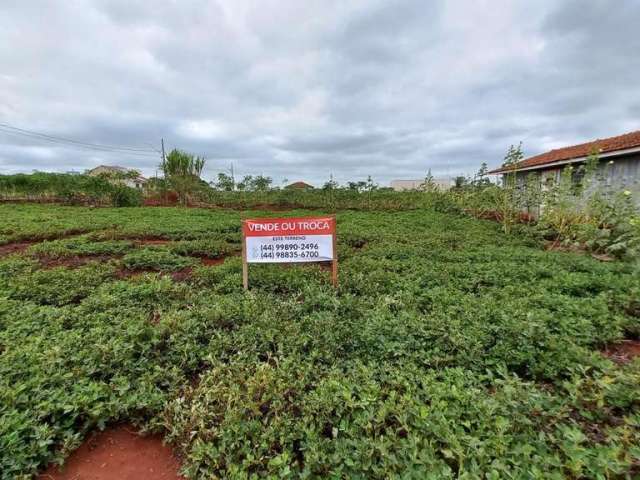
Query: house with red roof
[(299, 186), (619, 161)]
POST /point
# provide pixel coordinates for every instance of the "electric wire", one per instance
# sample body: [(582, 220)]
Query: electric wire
[(9, 129)]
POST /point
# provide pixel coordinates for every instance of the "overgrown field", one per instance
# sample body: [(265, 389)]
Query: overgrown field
[(449, 350)]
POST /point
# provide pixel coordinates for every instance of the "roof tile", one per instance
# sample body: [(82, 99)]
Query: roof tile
[(605, 145)]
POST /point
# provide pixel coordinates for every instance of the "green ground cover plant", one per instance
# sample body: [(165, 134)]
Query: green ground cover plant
[(80, 245), (449, 349), (156, 259)]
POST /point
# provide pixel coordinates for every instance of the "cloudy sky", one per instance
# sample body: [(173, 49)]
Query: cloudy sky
[(301, 89)]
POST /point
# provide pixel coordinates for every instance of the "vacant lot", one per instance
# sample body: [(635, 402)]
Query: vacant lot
[(449, 349)]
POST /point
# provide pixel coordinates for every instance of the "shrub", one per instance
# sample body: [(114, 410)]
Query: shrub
[(123, 196)]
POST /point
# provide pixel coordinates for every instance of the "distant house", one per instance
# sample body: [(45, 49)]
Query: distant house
[(619, 164), (404, 185), (127, 176), (299, 186)]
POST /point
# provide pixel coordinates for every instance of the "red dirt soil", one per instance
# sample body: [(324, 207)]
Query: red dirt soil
[(16, 247), (74, 261), (19, 247), (208, 261), (212, 261), (118, 453), (623, 352)]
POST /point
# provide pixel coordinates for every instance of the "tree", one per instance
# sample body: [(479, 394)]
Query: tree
[(182, 171), (331, 184), (370, 186), (356, 186), (513, 156), (508, 203), (429, 184), (245, 183), (261, 183), (225, 182), (480, 179), (330, 188)]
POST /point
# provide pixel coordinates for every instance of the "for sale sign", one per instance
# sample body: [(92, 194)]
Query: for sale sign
[(289, 240)]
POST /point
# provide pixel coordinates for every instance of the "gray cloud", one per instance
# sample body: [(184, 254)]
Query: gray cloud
[(302, 90)]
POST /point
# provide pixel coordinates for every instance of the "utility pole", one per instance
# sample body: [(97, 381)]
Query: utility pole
[(233, 178), (164, 172)]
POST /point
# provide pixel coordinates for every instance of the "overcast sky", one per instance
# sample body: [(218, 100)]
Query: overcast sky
[(301, 89)]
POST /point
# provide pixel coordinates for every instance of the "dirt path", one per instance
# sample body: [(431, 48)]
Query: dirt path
[(22, 245), (118, 454), (15, 247), (624, 351)]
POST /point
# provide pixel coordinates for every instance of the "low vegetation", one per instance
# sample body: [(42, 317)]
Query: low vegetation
[(70, 189), (449, 349), (580, 211)]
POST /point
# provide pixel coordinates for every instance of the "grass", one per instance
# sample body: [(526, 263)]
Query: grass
[(448, 350)]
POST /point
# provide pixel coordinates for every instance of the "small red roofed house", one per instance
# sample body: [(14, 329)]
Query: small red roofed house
[(619, 161), (299, 186)]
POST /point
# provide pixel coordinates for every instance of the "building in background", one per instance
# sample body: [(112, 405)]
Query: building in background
[(619, 164), (443, 183), (127, 176), (299, 186)]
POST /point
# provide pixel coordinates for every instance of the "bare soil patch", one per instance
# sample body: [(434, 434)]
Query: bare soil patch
[(208, 261), (74, 261), (118, 453), (151, 241), (181, 275), (212, 261), (622, 352), (177, 275), (15, 247), (19, 247)]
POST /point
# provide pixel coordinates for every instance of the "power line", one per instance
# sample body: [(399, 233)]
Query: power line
[(9, 129), (75, 142), (135, 153)]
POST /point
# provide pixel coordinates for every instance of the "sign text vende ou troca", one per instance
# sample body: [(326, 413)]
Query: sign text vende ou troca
[(288, 240)]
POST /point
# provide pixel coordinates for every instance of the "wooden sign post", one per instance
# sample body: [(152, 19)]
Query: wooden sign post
[(289, 240)]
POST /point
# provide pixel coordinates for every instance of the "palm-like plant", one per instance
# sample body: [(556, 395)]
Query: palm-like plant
[(182, 171)]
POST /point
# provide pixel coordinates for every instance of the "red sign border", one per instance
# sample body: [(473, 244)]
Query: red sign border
[(297, 230), (333, 233)]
